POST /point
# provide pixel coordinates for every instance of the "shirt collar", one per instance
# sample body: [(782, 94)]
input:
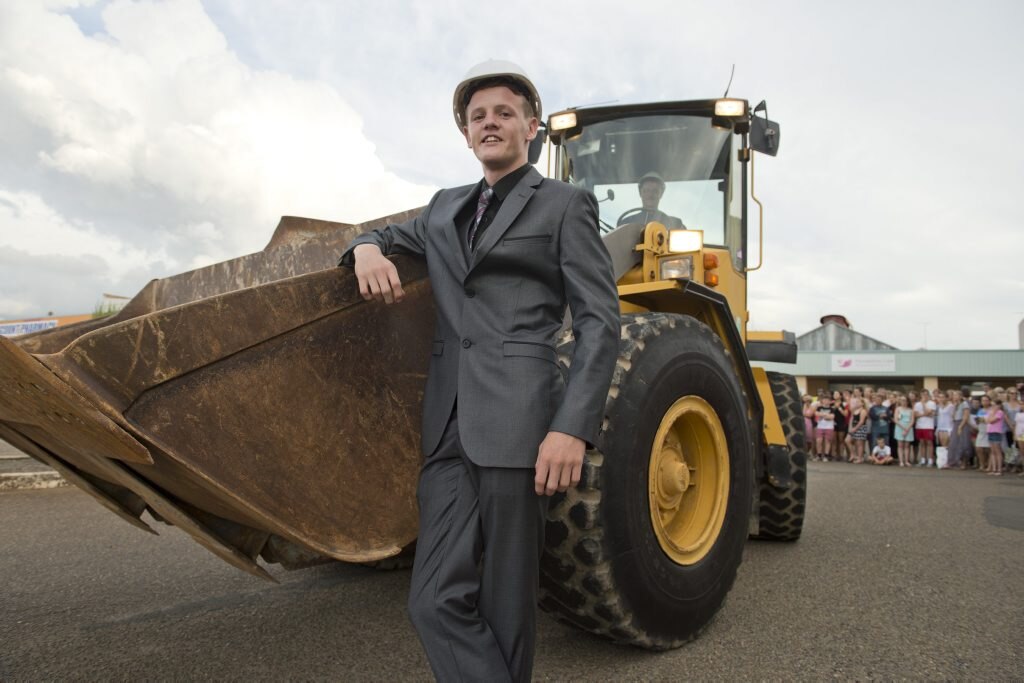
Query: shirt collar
[(507, 182)]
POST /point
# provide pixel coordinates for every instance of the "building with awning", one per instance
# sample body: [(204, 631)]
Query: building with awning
[(108, 305), (14, 328), (834, 356)]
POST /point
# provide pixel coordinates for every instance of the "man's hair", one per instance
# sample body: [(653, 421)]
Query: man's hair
[(512, 84)]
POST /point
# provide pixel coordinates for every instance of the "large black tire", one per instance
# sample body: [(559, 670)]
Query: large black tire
[(781, 512), (604, 567)]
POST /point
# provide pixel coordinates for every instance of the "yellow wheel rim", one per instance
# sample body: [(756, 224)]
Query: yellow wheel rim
[(688, 480)]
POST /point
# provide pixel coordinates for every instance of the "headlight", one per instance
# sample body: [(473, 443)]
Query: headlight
[(682, 241), (676, 268), (563, 121), (730, 107)]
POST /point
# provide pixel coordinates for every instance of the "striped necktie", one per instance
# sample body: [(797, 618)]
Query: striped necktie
[(481, 206)]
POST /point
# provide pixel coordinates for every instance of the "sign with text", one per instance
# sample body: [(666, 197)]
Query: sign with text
[(14, 329), (875, 362)]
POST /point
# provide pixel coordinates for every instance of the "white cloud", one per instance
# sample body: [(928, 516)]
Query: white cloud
[(156, 126), (892, 200), (33, 228)]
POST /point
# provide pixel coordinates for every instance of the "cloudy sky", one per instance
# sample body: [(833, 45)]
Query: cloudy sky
[(141, 139)]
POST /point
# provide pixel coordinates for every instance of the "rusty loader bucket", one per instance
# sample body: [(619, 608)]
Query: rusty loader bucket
[(258, 404)]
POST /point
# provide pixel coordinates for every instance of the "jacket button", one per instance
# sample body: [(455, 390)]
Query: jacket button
[(470, 292), (466, 343)]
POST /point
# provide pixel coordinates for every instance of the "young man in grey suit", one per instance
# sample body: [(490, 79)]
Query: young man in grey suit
[(501, 430)]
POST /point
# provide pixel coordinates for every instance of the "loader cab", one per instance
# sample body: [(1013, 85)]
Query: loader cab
[(699, 151)]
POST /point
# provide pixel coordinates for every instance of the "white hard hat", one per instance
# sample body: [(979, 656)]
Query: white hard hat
[(492, 68)]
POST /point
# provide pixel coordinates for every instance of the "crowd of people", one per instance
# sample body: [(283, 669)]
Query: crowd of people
[(954, 429)]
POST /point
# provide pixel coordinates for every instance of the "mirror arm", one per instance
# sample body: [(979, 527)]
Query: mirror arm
[(760, 220)]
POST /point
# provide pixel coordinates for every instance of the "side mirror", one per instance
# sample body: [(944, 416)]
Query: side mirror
[(764, 136), (537, 144)]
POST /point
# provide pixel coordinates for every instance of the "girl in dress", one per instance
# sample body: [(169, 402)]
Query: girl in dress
[(859, 428), (943, 418), (903, 419)]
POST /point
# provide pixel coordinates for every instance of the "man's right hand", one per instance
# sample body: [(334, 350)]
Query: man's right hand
[(378, 277)]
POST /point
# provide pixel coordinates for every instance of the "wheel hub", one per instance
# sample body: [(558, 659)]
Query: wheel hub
[(673, 477), (689, 480)]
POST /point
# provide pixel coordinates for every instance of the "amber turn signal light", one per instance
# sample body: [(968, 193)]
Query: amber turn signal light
[(710, 261)]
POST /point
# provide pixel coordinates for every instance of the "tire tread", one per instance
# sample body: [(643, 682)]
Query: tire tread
[(598, 605), (781, 513)]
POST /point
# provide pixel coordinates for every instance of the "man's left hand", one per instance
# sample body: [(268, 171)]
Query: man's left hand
[(559, 463)]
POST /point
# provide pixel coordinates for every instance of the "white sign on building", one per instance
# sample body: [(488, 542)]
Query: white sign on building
[(875, 362), (14, 329)]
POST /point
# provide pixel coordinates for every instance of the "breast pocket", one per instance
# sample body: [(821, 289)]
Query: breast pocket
[(527, 240)]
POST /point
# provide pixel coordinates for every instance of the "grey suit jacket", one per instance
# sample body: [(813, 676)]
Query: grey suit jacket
[(497, 317)]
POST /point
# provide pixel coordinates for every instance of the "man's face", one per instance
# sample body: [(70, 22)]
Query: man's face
[(650, 194), (498, 129)]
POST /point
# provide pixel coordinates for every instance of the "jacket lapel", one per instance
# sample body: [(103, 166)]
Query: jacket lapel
[(510, 209), (451, 232)]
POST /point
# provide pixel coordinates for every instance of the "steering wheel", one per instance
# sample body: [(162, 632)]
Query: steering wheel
[(630, 212)]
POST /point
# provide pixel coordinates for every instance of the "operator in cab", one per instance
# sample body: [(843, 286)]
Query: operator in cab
[(652, 188)]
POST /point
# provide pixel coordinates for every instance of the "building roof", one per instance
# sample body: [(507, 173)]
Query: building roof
[(836, 350), (832, 336)]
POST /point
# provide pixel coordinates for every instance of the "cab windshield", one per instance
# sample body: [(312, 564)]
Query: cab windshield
[(673, 169)]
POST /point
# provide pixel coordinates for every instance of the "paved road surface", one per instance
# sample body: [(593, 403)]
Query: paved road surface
[(9, 453), (18, 470), (900, 574)]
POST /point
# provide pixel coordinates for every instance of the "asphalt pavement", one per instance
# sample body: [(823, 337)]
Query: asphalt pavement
[(899, 575), (19, 471)]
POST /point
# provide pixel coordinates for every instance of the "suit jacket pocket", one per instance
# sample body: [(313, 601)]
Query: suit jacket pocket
[(438, 348), (527, 239), (530, 350)]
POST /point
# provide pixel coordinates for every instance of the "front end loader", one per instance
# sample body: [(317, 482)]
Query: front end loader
[(234, 401)]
